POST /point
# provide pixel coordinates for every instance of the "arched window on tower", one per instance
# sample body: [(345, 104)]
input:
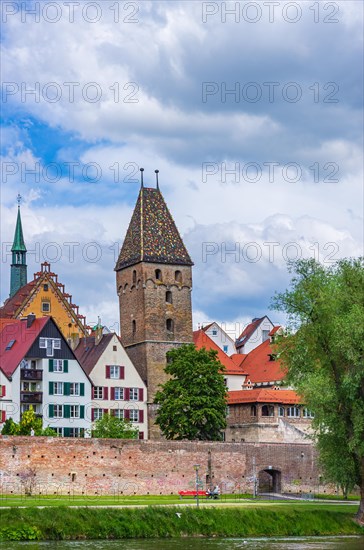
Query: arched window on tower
[(158, 274), (134, 277), (178, 276), (170, 325), (169, 297), (267, 410)]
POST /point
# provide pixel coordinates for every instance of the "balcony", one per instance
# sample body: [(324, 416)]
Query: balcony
[(31, 374), (31, 397)]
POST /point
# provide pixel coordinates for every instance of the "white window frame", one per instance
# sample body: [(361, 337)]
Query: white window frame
[(133, 394), (55, 385), (225, 349), (280, 409), (306, 413), (119, 413), (57, 365), (50, 344), (118, 394), (57, 411), (133, 415), (98, 413), (74, 389), (294, 410), (58, 430), (74, 411), (98, 392), (115, 372), (48, 308), (214, 332)]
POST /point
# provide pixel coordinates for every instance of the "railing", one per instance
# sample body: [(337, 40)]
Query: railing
[(31, 374), (31, 397)]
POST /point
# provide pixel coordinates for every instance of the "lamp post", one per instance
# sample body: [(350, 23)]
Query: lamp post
[(196, 467)]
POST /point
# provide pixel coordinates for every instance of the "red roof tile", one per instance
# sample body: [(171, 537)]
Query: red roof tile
[(259, 366), (24, 338), (88, 352), (11, 305), (202, 340), (238, 358), (262, 395)]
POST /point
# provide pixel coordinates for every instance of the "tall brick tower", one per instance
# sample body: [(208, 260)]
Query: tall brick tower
[(154, 283)]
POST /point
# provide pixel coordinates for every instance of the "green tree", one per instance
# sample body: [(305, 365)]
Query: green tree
[(323, 352), (29, 421), (193, 402), (10, 427), (114, 428)]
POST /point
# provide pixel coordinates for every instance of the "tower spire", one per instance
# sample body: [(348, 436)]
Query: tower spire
[(18, 270)]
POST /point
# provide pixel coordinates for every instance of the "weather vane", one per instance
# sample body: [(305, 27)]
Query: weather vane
[(19, 199)]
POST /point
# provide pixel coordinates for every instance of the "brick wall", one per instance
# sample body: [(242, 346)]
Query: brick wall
[(101, 466)]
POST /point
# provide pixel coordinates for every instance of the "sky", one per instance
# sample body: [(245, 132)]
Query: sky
[(251, 111)]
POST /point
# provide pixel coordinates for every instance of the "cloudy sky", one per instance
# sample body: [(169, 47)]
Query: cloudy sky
[(252, 112)]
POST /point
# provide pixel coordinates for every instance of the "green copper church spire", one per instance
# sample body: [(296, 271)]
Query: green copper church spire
[(18, 272)]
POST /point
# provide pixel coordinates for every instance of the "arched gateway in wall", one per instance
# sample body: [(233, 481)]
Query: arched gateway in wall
[(270, 480)]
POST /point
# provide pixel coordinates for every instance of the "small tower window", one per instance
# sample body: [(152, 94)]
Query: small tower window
[(45, 287), (134, 277), (169, 297), (46, 307), (158, 274), (170, 325), (178, 276), (253, 410), (134, 327)]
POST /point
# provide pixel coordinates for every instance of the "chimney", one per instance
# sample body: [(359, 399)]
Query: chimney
[(30, 319), (98, 332), (74, 340)]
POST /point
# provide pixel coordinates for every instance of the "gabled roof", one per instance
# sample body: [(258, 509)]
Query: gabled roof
[(23, 338), (88, 352), (152, 235), (284, 397), (11, 305), (18, 244), (260, 367), (202, 340), (249, 330), (238, 358)]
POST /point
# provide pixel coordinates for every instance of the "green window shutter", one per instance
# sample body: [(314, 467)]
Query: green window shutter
[(66, 387), (67, 411), (51, 411), (82, 389), (50, 365), (82, 411), (66, 432), (65, 365), (50, 391)]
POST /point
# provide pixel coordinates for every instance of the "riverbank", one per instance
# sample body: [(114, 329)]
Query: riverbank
[(64, 523)]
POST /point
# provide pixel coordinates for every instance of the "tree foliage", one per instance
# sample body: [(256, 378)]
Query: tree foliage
[(29, 421), (323, 352), (192, 404), (114, 428)]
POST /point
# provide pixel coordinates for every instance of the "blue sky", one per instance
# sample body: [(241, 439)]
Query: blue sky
[(254, 120)]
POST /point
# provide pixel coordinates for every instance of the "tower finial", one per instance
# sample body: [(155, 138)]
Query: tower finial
[(156, 177), (141, 177), (19, 199)]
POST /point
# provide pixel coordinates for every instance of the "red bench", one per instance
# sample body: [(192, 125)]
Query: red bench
[(191, 493)]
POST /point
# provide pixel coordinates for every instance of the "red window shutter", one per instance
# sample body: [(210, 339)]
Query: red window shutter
[(107, 371), (141, 394), (126, 414), (141, 435), (112, 412), (122, 373), (127, 394), (141, 416), (92, 414), (112, 394), (106, 411), (3, 416), (106, 392), (3, 391)]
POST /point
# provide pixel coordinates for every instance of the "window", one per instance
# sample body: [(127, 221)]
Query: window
[(293, 412), (97, 413), (133, 327), (45, 287), (74, 388), (134, 277), (10, 345), (57, 388), (214, 332), (50, 344), (74, 411), (114, 348), (307, 413), (98, 392), (46, 307), (114, 371), (265, 335), (170, 325), (281, 411), (133, 415), (133, 394), (58, 365), (56, 343), (253, 410), (158, 274), (58, 411), (118, 393), (267, 410), (225, 381), (226, 349), (169, 297), (74, 432), (119, 413), (59, 431), (178, 276)]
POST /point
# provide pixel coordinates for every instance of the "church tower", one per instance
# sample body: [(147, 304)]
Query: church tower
[(18, 270), (154, 283)]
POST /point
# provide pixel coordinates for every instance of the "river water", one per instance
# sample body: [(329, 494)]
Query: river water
[(299, 543)]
